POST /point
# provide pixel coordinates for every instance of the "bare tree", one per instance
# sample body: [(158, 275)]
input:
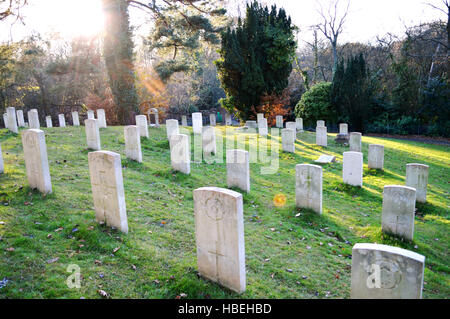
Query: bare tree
[(10, 8), (332, 24)]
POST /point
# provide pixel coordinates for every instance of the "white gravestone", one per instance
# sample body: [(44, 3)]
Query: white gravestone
[(184, 120), (376, 156), (343, 129), (133, 143), (386, 272), (219, 232), (62, 120), (227, 119), (417, 177), (33, 119), (180, 153), (48, 121), (355, 142), (92, 134), (259, 117), (90, 115), (399, 204), (75, 119), (197, 123), (308, 187), (279, 121), (292, 126), (20, 119), (212, 119), (321, 136), (299, 124), (101, 117), (320, 123), (172, 128), (105, 170), (251, 124), (36, 160), (262, 127), (5, 120), (208, 141), (352, 168), (238, 169), (288, 140), (141, 122), (2, 167), (12, 120)]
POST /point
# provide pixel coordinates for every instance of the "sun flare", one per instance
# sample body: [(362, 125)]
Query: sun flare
[(73, 17)]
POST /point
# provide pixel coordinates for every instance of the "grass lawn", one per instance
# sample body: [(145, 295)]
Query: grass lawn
[(290, 253)]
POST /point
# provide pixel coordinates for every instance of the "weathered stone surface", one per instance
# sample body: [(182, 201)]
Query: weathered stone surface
[(355, 142), (172, 128), (184, 120), (228, 119), (326, 159), (33, 119), (399, 204), (352, 170), (342, 139), (105, 170), (417, 177), (92, 134), (12, 120), (212, 119), (343, 128), (197, 123), (279, 121), (320, 123), (386, 272), (90, 115), (141, 122), (376, 156), (36, 160), (155, 114), (308, 187), (288, 140), (2, 167), (5, 119), (238, 169), (321, 136), (133, 143), (299, 124), (101, 117), (20, 119), (292, 126), (48, 121), (62, 120), (75, 119), (263, 130), (219, 232), (208, 141), (180, 153)]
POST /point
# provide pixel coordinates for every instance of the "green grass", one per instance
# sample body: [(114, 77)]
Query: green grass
[(157, 259)]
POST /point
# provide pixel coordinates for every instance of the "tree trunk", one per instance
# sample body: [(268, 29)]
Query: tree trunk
[(118, 53)]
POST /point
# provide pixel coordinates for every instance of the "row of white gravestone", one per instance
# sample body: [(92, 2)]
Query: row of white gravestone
[(378, 271), (15, 119)]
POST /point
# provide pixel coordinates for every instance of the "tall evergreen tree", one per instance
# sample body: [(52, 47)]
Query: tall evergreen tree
[(256, 59), (351, 92)]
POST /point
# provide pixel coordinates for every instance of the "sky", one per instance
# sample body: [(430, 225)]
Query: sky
[(366, 18)]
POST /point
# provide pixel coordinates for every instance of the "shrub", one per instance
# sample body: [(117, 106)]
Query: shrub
[(315, 104)]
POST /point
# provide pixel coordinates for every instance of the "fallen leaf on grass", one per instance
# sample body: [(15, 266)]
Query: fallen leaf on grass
[(10, 249), (53, 260), (103, 293), (116, 250)]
